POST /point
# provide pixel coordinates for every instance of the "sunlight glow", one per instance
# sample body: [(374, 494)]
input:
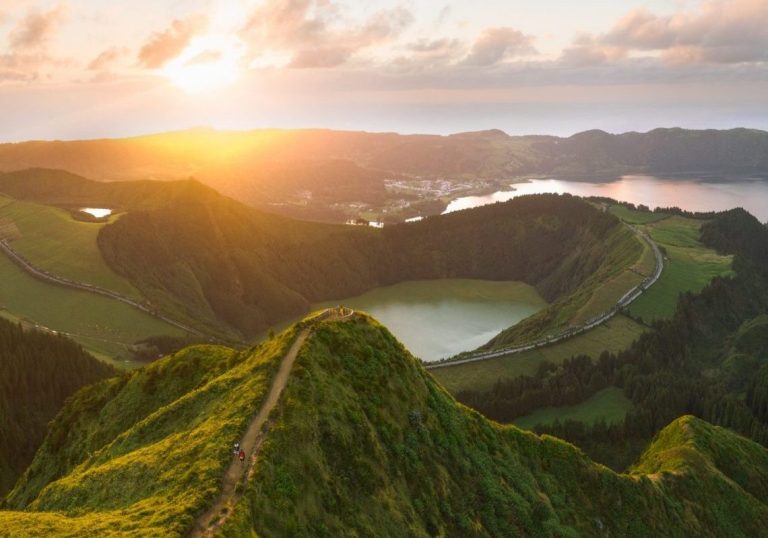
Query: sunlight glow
[(208, 63)]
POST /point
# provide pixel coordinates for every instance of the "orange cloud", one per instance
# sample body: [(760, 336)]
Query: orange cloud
[(164, 46), (313, 32), (36, 29), (720, 31), (498, 44)]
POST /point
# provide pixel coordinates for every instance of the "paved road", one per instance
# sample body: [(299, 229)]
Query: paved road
[(223, 507), (623, 302), (42, 274)]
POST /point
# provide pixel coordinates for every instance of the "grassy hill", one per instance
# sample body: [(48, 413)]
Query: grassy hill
[(221, 266), (54, 241), (689, 267), (38, 371), (364, 442)]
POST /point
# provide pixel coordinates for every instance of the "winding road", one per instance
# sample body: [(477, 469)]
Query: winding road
[(42, 274), (623, 302)]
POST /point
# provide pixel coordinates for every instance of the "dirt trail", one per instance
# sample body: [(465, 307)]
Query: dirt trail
[(220, 511)]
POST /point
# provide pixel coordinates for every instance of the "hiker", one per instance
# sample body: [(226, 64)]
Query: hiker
[(236, 450), (242, 456)]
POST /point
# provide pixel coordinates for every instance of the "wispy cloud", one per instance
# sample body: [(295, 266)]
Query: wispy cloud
[(164, 46), (29, 43), (315, 33), (496, 45), (720, 31)]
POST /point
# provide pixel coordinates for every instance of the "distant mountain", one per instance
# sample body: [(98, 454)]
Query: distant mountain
[(269, 166), (38, 371), (213, 262), (362, 442)]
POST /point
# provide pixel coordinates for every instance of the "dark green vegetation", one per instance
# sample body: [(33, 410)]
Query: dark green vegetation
[(689, 267), (600, 288), (143, 452), (609, 405), (614, 335), (708, 360), (52, 241), (363, 442), (221, 266), (38, 371)]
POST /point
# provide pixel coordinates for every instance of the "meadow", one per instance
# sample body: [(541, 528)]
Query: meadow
[(614, 335), (52, 240), (609, 404), (104, 326), (689, 267)]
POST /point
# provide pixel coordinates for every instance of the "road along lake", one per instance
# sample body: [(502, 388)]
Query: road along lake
[(440, 318)]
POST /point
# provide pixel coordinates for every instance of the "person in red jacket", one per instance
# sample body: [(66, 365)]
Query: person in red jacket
[(242, 455)]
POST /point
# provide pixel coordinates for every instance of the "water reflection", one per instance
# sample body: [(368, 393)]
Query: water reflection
[(695, 194)]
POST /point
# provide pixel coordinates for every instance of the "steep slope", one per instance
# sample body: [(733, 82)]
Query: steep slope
[(144, 452), (38, 371), (216, 264), (364, 442)]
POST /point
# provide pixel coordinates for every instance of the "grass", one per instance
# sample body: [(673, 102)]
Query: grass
[(610, 291), (104, 326), (689, 267), (52, 240), (364, 443), (614, 335), (143, 454), (633, 216), (609, 404)]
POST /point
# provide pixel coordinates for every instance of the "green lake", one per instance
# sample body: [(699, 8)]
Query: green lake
[(440, 318)]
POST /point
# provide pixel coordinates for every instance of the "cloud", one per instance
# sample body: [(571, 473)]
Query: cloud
[(315, 33), (164, 46), (586, 50), (37, 28), (720, 31), (29, 42), (496, 45), (105, 59)]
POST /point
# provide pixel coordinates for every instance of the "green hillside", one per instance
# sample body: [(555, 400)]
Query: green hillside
[(706, 359), (364, 442), (52, 240), (223, 267), (38, 371), (689, 267)]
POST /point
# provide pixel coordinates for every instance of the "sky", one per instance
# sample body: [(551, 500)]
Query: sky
[(72, 69)]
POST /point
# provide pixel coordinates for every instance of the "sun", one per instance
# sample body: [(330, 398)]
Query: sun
[(209, 63)]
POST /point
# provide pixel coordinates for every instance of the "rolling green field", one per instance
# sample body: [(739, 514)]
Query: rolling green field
[(636, 217), (609, 404), (689, 267), (104, 326), (614, 335), (52, 240)]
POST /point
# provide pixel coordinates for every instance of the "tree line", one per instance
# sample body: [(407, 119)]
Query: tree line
[(693, 363), (38, 372)]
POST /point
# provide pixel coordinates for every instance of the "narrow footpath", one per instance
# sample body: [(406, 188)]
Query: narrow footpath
[(222, 508)]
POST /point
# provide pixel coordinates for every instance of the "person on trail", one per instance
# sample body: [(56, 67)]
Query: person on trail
[(242, 456), (237, 448)]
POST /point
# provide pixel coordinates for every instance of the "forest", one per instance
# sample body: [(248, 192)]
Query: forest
[(38, 372), (708, 361)]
